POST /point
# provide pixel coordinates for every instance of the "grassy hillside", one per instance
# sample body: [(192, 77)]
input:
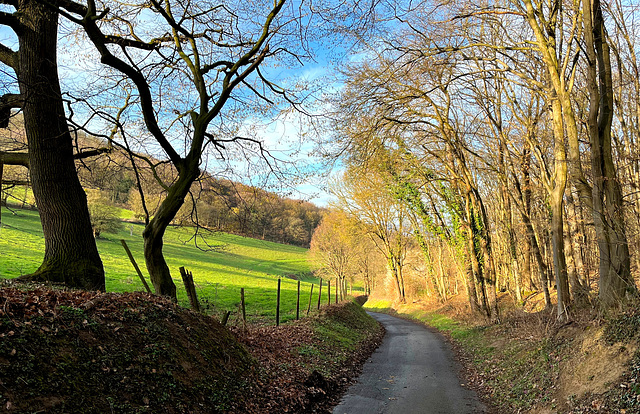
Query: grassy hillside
[(231, 262)]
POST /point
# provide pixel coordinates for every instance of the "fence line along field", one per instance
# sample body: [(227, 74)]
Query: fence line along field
[(222, 265)]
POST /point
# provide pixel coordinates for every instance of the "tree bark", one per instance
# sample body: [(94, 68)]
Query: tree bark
[(615, 263), (471, 290), (71, 256), (559, 259), (537, 254), (526, 203), (474, 254), (574, 250), (488, 264)]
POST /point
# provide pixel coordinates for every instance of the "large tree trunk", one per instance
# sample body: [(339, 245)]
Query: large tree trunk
[(71, 256), (615, 263)]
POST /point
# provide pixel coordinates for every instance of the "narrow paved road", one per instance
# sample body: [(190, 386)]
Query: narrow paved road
[(411, 372)]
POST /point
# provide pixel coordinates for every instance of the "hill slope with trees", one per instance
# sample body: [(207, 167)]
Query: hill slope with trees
[(216, 204)]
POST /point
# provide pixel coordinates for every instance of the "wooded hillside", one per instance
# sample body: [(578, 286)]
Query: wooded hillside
[(215, 203)]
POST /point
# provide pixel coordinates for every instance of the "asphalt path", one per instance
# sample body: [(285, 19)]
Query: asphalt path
[(413, 371)]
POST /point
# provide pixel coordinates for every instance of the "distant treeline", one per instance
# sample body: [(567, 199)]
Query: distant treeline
[(220, 204)]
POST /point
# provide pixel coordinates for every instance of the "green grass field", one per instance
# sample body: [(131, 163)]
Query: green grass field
[(234, 262)]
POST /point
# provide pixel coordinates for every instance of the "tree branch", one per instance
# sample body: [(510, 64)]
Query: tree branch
[(124, 42), (14, 158), (16, 182), (146, 101), (64, 6), (91, 153), (7, 103), (9, 19), (8, 56), (71, 6)]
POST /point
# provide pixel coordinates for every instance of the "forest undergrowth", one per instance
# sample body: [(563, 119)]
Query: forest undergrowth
[(531, 364)]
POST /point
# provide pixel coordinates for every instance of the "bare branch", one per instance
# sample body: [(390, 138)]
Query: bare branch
[(7, 103), (124, 42), (9, 19), (8, 56), (14, 158), (16, 182), (91, 153)]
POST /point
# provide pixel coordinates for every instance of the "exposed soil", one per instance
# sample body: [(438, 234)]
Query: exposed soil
[(75, 351)]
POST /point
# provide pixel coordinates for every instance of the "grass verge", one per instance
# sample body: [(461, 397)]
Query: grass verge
[(529, 364)]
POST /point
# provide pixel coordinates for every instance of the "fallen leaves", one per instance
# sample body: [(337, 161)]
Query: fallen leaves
[(293, 369), (300, 373)]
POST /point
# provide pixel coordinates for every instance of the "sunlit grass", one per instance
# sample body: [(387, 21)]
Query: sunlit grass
[(125, 214), (433, 319), (378, 305), (230, 263)]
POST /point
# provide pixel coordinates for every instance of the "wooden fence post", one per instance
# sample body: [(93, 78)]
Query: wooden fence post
[(310, 297), (225, 318), (244, 309), (329, 292), (190, 287), (298, 303), (278, 304), (135, 265), (320, 294), (338, 284)]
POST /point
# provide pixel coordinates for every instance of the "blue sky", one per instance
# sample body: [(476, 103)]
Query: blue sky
[(288, 137)]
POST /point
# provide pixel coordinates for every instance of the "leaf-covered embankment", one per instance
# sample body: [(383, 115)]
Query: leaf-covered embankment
[(73, 351)]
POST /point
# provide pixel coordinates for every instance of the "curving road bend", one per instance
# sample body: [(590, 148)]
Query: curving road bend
[(412, 371)]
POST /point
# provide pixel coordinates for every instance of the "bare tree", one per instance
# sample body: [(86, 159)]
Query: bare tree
[(362, 194), (210, 51)]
